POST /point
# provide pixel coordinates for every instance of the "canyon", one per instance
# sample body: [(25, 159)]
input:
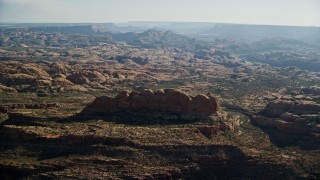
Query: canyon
[(156, 105)]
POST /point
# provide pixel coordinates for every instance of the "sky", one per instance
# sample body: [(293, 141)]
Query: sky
[(275, 12)]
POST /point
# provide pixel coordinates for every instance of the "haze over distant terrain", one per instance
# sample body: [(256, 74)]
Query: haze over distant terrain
[(284, 12)]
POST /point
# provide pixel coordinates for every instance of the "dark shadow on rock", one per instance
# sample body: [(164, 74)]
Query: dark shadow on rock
[(220, 162), (197, 161), (136, 118), (48, 148), (26, 120), (283, 140)]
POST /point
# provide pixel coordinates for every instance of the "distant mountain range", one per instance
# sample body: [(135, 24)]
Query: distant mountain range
[(205, 31), (156, 39), (281, 46), (280, 52), (239, 32)]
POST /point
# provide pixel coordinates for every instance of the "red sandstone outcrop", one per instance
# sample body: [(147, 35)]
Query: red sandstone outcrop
[(168, 101), (276, 108), (284, 126), (87, 77), (4, 88), (16, 73), (61, 80), (290, 117)]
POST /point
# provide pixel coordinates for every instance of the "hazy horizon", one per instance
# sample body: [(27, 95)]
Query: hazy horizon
[(272, 12)]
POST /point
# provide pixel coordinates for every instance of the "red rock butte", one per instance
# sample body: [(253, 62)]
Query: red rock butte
[(167, 104)]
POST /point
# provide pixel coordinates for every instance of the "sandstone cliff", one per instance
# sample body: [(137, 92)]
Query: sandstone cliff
[(300, 118), (167, 104)]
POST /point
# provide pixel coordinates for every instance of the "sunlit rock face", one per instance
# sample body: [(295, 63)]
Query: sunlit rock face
[(292, 117), (166, 104)]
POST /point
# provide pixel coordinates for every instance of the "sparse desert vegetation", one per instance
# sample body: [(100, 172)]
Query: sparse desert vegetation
[(75, 102)]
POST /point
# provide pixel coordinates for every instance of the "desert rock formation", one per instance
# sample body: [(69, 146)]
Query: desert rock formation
[(290, 117), (168, 104)]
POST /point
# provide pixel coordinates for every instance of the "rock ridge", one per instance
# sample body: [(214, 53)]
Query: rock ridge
[(299, 118), (167, 104)]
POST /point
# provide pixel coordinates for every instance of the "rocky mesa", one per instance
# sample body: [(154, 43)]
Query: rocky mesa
[(167, 104)]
